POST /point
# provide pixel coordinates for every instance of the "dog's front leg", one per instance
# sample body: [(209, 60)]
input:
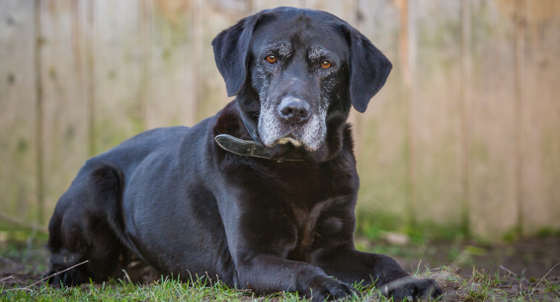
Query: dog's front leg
[(349, 265), (269, 273), (260, 237)]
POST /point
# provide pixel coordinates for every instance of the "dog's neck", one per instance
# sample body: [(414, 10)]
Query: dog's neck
[(249, 125)]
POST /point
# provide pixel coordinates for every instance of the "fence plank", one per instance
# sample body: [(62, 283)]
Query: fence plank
[(435, 109), (519, 20), (210, 20), (17, 99), (382, 158), (171, 101), (119, 113), (65, 106), (466, 112), (493, 211), (87, 12), (39, 109), (541, 144)]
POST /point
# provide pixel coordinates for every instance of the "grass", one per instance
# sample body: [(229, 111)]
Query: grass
[(165, 289), (374, 225), (162, 290), (481, 286), (461, 266)]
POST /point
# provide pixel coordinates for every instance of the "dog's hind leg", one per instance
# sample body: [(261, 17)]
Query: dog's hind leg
[(86, 225)]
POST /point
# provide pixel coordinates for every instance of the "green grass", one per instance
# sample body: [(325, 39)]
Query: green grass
[(162, 290), (165, 289), (481, 286), (374, 225)]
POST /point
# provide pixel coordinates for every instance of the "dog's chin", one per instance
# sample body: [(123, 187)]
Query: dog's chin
[(295, 143), (282, 146), (288, 140)]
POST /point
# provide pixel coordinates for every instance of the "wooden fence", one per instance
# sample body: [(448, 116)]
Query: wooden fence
[(465, 132)]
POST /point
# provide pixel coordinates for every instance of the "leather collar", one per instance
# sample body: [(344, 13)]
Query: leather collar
[(248, 148)]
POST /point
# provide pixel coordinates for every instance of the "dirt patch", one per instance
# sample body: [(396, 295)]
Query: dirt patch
[(13, 279), (531, 258), (528, 269), (21, 263)]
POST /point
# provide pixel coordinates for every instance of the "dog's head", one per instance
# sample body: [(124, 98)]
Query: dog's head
[(296, 72)]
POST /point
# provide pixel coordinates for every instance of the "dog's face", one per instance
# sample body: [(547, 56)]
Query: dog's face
[(294, 69), (296, 73)]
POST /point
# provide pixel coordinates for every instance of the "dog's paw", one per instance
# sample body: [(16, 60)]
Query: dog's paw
[(326, 288), (411, 289), (68, 278)]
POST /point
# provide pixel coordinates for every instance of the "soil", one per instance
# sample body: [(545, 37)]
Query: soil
[(530, 257)]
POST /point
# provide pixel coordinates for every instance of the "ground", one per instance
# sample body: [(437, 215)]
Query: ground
[(525, 270)]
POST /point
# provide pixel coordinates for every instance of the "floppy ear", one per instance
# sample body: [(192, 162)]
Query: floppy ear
[(231, 50), (369, 69)]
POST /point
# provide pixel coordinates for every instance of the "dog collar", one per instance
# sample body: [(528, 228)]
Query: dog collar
[(247, 148)]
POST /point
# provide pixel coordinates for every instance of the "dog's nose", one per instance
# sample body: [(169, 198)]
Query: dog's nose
[(294, 110)]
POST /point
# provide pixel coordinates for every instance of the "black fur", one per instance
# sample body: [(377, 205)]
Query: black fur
[(173, 199)]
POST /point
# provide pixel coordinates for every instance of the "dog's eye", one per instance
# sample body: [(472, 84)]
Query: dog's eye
[(326, 64), (271, 59)]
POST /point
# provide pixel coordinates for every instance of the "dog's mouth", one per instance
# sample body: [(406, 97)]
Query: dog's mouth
[(287, 140)]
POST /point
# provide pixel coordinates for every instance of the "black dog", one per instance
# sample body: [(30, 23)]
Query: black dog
[(262, 194)]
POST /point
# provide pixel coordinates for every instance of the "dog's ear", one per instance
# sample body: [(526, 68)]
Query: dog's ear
[(369, 69), (231, 50)]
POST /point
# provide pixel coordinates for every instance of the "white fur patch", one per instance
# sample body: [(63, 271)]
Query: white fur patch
[(310, 135)]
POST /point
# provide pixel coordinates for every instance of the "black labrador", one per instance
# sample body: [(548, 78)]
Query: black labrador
[(260, 195)]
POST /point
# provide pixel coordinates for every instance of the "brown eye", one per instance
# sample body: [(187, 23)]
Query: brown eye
[(271, 59), (326, 64)]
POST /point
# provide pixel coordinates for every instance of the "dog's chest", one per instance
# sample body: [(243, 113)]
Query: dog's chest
[(315, 223), (312, 200), (317, 205), (307, 221)]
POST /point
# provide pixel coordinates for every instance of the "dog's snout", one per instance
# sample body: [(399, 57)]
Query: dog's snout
[(294, 110)]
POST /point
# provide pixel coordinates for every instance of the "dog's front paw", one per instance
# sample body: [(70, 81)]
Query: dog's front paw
[(411, 289), (326, 288), (71, 277)]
